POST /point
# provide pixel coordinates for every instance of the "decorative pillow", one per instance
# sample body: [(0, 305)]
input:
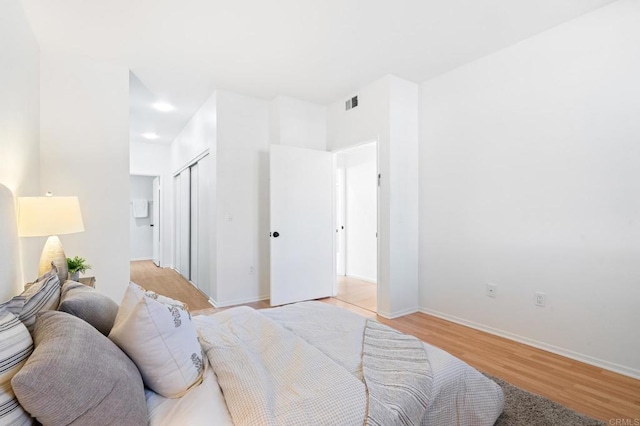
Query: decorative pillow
[(158, 335), (43, 295), (15, 347), (49, 273), (78, 376), (88, 304)]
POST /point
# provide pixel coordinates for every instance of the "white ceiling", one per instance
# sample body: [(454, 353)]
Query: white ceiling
[(318, 50)]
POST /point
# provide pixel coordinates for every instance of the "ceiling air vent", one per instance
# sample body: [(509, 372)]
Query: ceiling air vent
[(351, 103)]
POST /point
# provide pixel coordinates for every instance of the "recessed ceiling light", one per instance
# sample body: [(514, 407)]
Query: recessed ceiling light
[(163, 106), (150, 135)]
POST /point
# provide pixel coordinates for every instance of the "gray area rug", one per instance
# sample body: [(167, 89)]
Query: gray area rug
[(524, 408)]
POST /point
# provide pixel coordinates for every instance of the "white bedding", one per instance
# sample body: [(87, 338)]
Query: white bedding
[(461, 395), (202, 405), (270, 376)]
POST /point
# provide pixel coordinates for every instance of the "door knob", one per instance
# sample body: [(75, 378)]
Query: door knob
[(276, 235)]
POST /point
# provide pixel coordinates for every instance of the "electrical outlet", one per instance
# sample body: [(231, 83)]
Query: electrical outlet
[(541, 299), (492, 290)]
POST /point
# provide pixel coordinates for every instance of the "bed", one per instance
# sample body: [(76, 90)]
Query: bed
[(305, 363)]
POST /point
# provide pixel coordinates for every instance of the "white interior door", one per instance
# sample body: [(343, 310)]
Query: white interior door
[(156, 220), (302, 241)]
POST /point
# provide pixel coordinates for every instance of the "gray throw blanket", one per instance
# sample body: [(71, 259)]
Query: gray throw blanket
[(397, 374)]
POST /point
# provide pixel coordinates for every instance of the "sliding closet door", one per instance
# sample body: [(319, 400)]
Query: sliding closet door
[(200, 247), (184, 241), (178, 221), (195, 225), (194, 194)]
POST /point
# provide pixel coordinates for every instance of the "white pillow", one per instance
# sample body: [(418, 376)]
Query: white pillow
[(15, 347), (200, 406), (157, 333)]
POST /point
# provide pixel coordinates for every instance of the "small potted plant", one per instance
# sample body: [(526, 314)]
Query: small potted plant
[(77, 265)]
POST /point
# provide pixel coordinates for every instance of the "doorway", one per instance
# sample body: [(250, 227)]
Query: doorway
[(356, 191), (144, 218)]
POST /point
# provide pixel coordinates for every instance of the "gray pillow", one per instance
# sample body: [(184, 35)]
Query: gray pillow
[(89, 305), (78, 376)]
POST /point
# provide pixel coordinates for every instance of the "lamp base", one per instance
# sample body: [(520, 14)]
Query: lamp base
[(53, 252)]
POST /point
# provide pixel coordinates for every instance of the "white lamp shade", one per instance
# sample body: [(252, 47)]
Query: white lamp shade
[(42, 216)]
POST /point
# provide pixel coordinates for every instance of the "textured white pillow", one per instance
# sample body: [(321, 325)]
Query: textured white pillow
[(157, 333), (15, 347)]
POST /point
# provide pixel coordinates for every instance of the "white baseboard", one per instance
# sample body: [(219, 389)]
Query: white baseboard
[(361, 278), (398, 314), (587, 359), (234, 302), (140, 258)]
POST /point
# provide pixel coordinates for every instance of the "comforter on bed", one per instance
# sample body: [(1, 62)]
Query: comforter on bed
[(303, 364), (270, 376)]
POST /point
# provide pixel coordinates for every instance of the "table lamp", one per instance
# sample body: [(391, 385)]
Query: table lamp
[(50, 216)]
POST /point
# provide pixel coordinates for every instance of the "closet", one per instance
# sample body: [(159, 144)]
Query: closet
[(193, 196)]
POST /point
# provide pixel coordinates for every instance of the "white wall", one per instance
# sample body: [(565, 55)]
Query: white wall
[(361, 185), (388, 113), (19, 119), (294, 122), (150, 159), (84, 151), (140, 230), (198, 136), (403, 216), (242, 199), (529, 179)]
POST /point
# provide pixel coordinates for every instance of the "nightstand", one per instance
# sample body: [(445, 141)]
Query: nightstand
[(88, 281)]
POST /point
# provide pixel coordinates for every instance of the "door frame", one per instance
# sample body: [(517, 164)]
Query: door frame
[(158, 226), (161, 241), (335, 153), (340, 216)]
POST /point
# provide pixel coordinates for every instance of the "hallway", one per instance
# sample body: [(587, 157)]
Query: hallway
[(358, 292)]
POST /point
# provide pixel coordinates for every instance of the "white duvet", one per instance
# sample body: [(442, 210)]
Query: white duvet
[(460, 394)]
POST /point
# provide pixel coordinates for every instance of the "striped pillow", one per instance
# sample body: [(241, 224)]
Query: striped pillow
[(41, 296), (15, 347), (52, 271)]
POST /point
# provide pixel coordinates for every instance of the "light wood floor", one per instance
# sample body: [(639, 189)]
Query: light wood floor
[(167, 282), (589, 390), (363, 294)]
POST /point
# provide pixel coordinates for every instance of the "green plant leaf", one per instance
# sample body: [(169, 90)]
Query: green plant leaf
[(77, 264)]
